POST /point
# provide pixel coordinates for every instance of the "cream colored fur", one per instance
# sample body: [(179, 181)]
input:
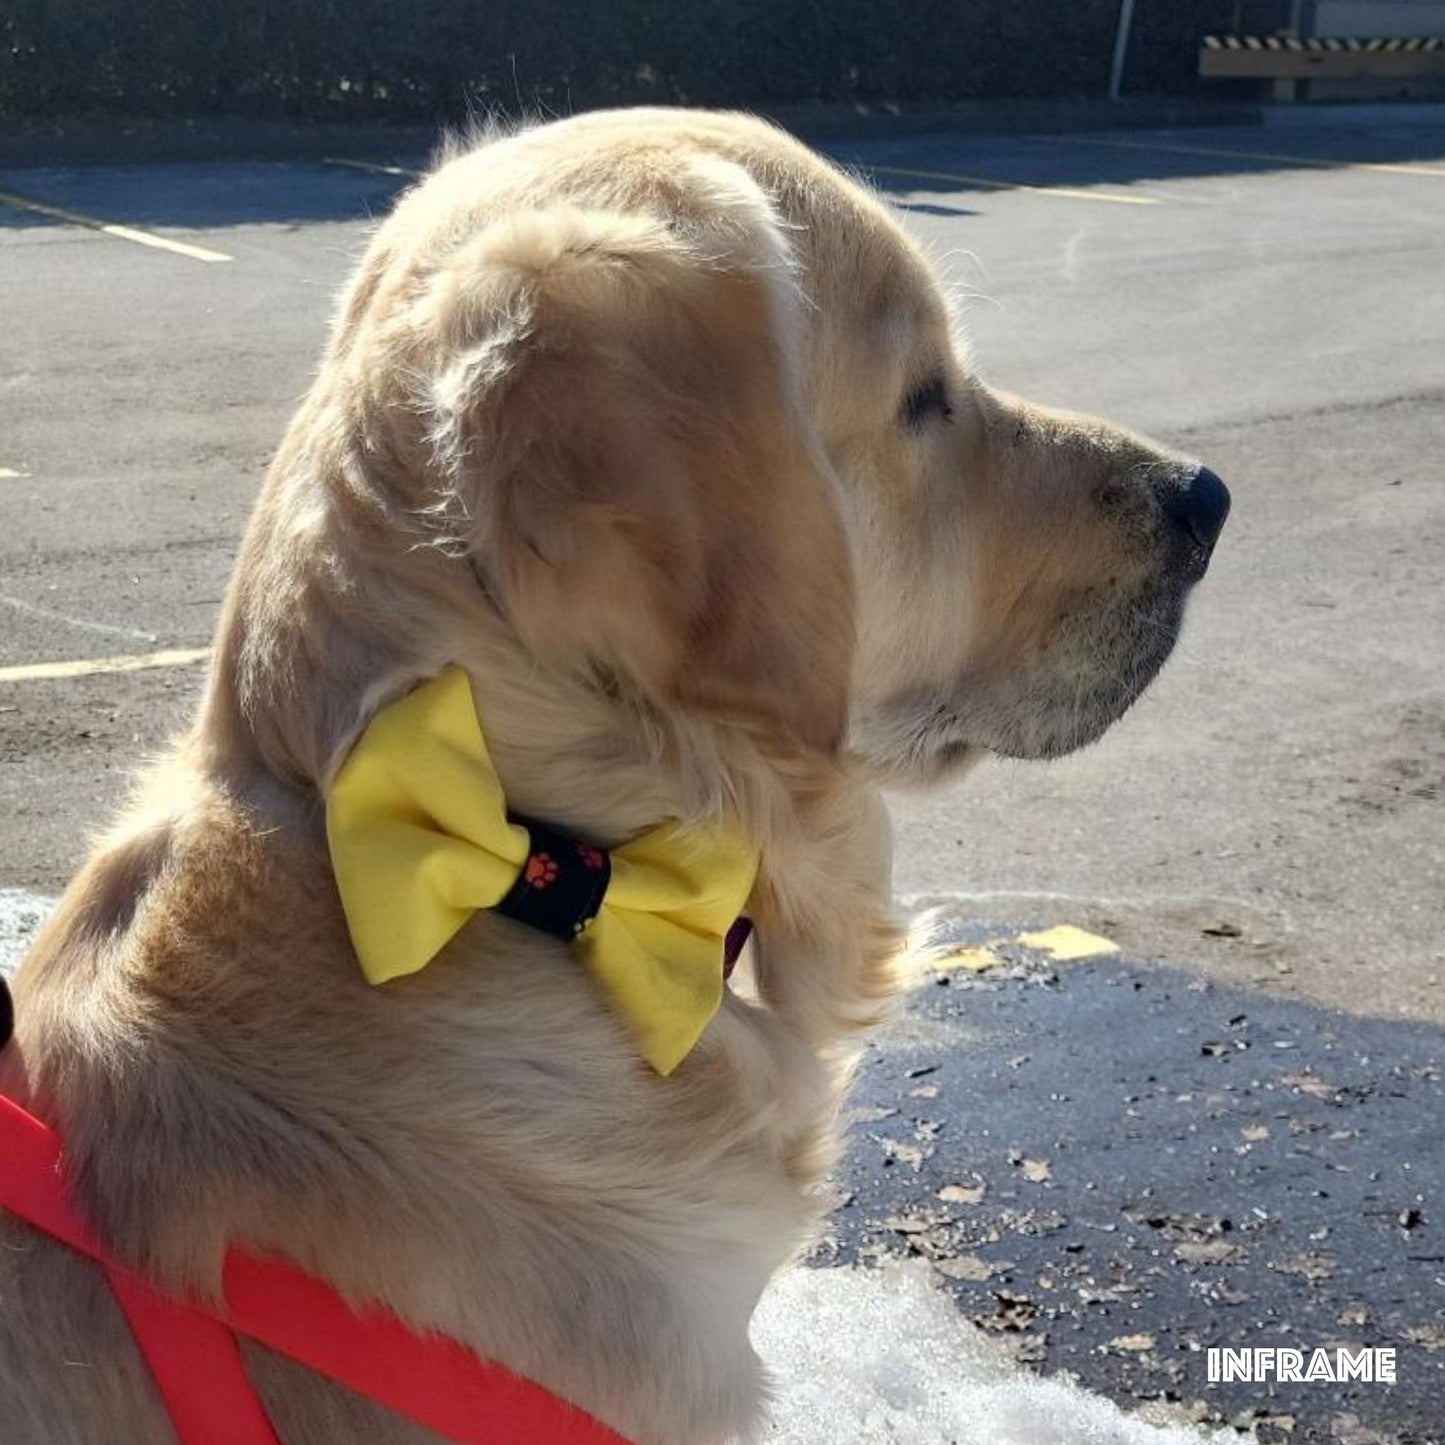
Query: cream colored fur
[(614, 415)]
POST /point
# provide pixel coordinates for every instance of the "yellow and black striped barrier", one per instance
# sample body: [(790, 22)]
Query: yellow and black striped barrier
[(1292, 57)]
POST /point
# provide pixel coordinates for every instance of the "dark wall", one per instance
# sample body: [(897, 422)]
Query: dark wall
[(436, 59)]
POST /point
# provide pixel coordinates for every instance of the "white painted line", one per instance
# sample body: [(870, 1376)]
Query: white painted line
[(1270, 157), (374, 166), (109, 228), (1065, 193), (88, 667), (9, 474), (49, 614)]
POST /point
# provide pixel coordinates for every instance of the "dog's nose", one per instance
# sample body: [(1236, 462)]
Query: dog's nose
[(1199, 507)]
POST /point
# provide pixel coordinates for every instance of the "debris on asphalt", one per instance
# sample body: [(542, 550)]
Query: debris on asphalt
[(1036, 1171), (962, 1193), (1251, 1197)]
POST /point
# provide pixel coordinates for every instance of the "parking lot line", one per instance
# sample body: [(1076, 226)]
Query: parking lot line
[(49, 614), (109, 228), (89, 666), (1312, 162), (1066, 193), (9, 473), (404, 171)]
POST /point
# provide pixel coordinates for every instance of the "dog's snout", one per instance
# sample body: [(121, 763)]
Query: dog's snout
[(1199, 507)]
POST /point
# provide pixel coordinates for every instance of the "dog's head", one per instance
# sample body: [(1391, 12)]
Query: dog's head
[(691, 406)]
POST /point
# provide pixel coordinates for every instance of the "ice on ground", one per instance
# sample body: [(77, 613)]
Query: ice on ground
[(21, 915), (882, 1357)]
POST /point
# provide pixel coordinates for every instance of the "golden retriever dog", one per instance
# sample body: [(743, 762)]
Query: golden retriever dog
[(656, 425)]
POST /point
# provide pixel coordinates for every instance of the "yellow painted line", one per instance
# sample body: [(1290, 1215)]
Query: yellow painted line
[(974, 959), (90, 666), (1066, 943), (109, 228), (1313, 162), (1062, 192), (375, 166)]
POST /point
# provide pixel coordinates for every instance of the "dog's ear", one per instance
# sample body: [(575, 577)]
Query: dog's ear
[(618, 419)]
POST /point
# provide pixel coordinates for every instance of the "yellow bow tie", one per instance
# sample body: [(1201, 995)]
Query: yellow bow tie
[(420, 840)]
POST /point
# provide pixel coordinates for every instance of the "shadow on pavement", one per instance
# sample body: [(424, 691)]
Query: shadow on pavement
[(1117, 1166), (202, 196), (1134, 158), (213, 195)]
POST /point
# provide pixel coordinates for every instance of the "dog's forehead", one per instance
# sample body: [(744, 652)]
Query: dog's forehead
[(906, 326), (866, 279), (894, 329)]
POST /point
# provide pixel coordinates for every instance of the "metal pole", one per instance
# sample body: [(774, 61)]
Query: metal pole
[(1121, 48)]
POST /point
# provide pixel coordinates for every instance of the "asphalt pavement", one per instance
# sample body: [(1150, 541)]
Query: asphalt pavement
[(1117, 1166), (1262, 837)]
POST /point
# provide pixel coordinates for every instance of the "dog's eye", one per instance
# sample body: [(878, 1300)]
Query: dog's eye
[(930, 399)]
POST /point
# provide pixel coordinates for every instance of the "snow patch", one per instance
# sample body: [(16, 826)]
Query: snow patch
[(21, 914), (882, 1356)]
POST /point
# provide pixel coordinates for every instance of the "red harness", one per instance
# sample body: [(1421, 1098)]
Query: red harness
[(195, 1358)]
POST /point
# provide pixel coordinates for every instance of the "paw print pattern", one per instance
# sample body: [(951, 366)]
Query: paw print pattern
[(541, 871), (560, 886)]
